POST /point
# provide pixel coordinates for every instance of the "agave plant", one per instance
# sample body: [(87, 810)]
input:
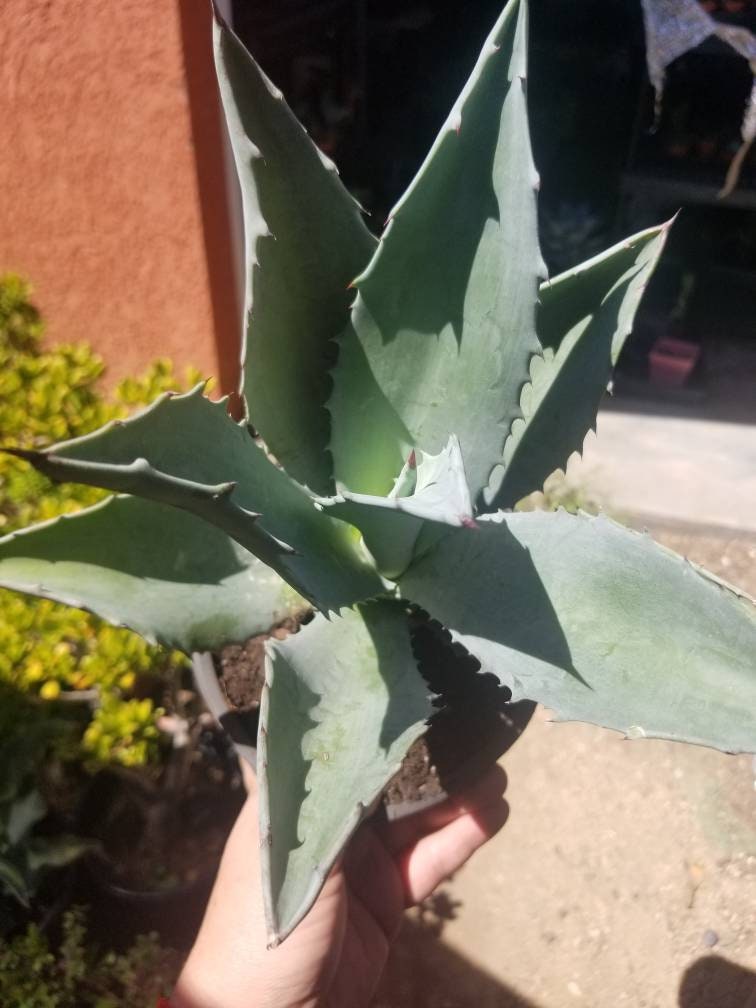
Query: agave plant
[(385, 481)]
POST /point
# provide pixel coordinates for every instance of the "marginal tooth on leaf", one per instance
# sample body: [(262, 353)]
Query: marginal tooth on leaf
[(224, 490), (251, 150)]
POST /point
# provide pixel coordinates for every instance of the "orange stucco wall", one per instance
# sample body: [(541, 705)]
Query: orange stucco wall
[(109, 135)]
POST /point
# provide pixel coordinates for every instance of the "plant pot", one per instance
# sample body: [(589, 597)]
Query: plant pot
[(160, 833), (119, 913), (475, 723), (239, 725), (671, 361)]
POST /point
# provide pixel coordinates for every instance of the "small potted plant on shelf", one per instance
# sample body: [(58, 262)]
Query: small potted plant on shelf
[(379, 489), (673, 358)]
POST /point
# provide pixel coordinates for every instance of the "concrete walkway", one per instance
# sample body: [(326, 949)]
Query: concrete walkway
[(671, 468)]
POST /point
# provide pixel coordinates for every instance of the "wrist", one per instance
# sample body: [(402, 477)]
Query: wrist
[(199, 990)]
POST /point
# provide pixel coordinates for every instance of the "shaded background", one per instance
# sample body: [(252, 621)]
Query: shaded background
[(118, 202), (374, 81)]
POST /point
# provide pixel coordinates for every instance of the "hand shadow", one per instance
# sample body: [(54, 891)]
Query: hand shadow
[(714, 982)]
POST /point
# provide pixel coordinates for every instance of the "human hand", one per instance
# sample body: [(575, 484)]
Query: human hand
[(335, 957)]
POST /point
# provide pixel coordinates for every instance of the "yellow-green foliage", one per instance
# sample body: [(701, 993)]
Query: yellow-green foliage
[(48, 395), (124, 731), (78, 974)]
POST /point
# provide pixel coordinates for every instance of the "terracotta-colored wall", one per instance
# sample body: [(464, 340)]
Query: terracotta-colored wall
[(100, 183)]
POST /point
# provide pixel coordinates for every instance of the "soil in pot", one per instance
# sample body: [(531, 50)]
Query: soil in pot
[(475, 722)]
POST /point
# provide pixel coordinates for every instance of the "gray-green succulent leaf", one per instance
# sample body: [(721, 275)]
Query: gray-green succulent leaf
[(584, 317), (186, 451), (443, 328), (305, 243), (599, 623), (342, 703), (163, 572), (431, 490)]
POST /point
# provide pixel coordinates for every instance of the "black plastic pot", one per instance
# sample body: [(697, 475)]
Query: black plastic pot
[(475, 707), (119, 913), (147, 828)]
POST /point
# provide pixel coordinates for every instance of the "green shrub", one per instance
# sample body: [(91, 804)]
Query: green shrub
[(123, 731), (36, 740), (78, 975), (49, 394)]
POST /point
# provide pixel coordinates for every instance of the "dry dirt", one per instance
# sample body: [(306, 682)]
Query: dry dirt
[(626, 875)]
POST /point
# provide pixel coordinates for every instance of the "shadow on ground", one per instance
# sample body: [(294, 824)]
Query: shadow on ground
[(423, 972), (713, 982)]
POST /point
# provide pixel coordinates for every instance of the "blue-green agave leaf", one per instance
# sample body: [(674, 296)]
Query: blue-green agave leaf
[(343, 701), (443, 326), (598, 623), (185, 450), (305, 242), (584, 317), (431, 490), (162, 572)]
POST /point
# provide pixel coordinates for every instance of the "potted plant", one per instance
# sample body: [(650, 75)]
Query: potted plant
[(382, 491), (162, 797), (672, 358), (473, 722)]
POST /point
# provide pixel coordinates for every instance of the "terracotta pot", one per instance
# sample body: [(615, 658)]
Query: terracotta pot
[(672, 361)]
